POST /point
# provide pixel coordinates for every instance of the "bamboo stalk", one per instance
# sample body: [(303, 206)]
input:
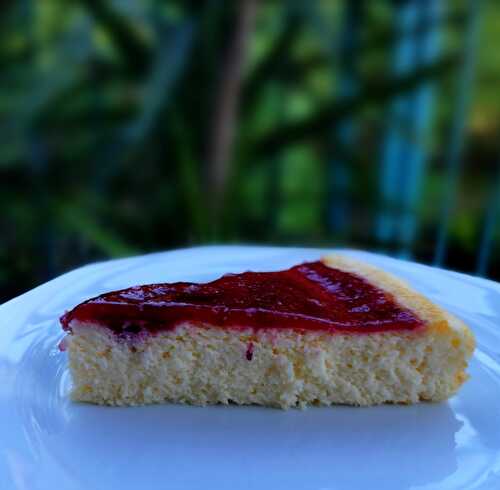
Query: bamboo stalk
[(226, 109)]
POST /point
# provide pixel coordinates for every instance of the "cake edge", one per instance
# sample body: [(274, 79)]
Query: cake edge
[(437, 319)]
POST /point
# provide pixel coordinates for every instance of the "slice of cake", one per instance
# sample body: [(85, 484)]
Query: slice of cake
[(325, 332)]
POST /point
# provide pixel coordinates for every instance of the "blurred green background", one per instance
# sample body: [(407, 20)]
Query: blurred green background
[(136, 126)]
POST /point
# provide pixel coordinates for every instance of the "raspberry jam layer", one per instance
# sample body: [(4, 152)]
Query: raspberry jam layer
[(310, 296)]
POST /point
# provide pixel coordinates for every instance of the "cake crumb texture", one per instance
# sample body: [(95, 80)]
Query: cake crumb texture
[(197, 365)]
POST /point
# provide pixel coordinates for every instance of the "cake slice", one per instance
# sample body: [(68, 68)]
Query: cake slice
[(322, 333)]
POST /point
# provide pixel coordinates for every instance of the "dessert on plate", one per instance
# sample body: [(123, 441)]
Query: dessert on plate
[(335, 331)]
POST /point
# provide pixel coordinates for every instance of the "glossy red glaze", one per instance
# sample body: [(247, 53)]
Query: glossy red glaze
[(310, 296)]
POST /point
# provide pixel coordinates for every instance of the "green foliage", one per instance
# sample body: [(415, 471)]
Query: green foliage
[(106, 111)]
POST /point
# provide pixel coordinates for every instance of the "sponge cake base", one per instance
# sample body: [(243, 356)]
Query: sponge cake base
[(284, 368)]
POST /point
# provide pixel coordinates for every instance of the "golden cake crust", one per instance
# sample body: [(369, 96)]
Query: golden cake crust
[(437, 319)]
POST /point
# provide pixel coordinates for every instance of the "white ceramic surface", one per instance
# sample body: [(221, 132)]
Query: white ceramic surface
[(48, 442)]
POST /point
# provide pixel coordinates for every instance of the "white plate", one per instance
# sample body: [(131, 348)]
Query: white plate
[(48, 442)]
